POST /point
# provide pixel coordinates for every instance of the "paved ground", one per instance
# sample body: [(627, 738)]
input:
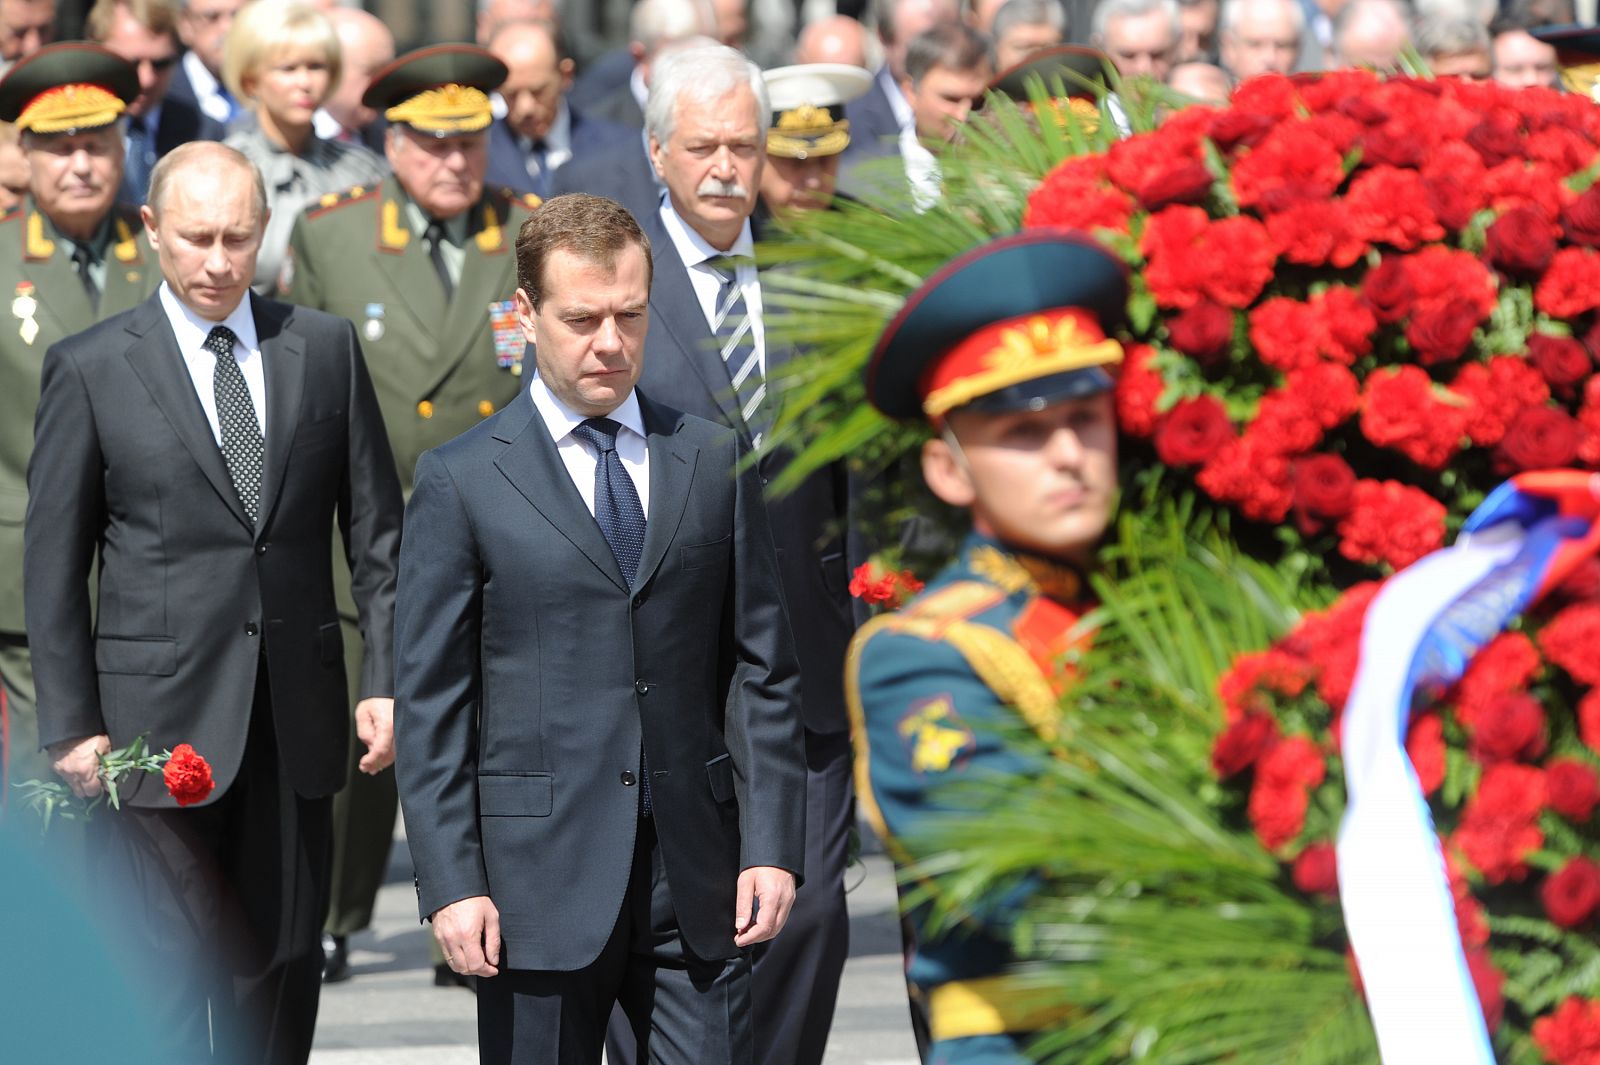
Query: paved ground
[(390, 1013)]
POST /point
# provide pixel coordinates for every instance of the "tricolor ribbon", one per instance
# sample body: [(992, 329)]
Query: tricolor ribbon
[(1420, 632)]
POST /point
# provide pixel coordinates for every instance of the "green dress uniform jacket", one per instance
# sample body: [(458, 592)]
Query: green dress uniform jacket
[(439, 367), (933, 690)]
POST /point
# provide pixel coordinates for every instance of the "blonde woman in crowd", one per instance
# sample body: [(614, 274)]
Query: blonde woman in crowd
[(281, 60)]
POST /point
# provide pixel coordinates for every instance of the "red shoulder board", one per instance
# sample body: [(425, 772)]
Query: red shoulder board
[(335, 200), (526, 199)]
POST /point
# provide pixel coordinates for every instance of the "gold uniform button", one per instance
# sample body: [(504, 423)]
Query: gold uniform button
[(485, 408), (425, 408)]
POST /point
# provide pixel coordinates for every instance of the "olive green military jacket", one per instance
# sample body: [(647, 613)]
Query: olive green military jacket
[(439, 366), (43, 301)]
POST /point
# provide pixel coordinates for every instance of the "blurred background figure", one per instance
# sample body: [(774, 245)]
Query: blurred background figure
[(1372, 34), (536, 132), (365, 47), (1199, 19), (1517, 58), (653, 26), (25, 27), (1022, 28), (1457, 47), (13, 167), (493, 14), (1140, 36), (281, 62), (1577, 48), (1260, 36), (882, 118), (1203, 83), (837, 39), (980, 15), (203, 27), (807, 136), (145, 33)]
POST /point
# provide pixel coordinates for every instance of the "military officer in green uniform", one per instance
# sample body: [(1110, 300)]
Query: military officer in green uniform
[(424, 264), (1004, 351), (68, 258)]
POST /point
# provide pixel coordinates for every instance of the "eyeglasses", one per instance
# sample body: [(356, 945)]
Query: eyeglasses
[(160, 66)]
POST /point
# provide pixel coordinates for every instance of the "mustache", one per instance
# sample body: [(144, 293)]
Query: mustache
[(717, 187)]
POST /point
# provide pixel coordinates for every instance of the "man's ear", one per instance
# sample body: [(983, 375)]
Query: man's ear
[(657, 151), (525, 314), (947, 474), (148, 217)]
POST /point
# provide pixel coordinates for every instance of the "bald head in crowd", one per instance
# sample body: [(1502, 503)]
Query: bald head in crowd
[(492, 14), (1140, 36), (1203, 83), (365, 47), (1260, 36), (904, 20), (657, 25), (1371, 33), (836, 39), (537, 76)]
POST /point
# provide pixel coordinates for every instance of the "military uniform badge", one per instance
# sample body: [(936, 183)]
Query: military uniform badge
[(509, 343), (23, 307), (374, 328)]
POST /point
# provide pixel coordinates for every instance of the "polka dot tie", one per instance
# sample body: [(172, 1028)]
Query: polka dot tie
[(243, 449), (621, 520)]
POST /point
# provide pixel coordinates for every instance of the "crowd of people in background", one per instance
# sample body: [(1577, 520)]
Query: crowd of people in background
[(397, 215)]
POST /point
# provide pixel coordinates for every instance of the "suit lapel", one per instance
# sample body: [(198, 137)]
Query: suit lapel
[(672, 464), (675, 309), (129, 277), (284, 368), (404, 263), (155, 358), (483, 281), (533, 467)]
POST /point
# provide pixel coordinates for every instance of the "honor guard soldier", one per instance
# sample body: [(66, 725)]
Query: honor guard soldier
[(1004, 352), (68, 259), (809, 132), (1577, 54), (424, 265)]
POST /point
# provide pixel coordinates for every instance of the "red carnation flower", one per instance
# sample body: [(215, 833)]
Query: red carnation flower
[(1283, 332), (1401, 411), (1192, 431), (1589, 421), (1570, 1035), (1242, 743), (1332, 639), (1511, 727), (1328, 392), (1563, 361), (1203, 332), (1439, 275), (1139, 389), (1470, 921), (1276, 813), (1571, 285), (1489, 983), (1426, 749), (1539, 438), (1345, 324), (1572, 895), (1316, 233), (1574, 789), (1294, 162), (1581, 219), (1294, 761), (1250, 476), (1499, 827), (1239, 261), (1388, 205), (1248, 684), (1285, 424), (1316, 870), (1520, 242), (1391, 523), (1536, 185), (1455, 177), (1589, 720), (1495, 392), (1508, 663), (187, 776), (1569, 641), (1387, 290), (1076, 195)]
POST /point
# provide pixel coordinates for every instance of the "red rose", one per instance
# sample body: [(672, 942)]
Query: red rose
[(1572, 895), (1571, 1034), (1242, 743), (1324, 486), (1238, 128), (1563, 361), (1186, 183), (1571, 285), (1439, 332), (1425, 747), (1569, 641), (1496, 139), (1520, 242), (1387, 290), (1203, 332), (1192, 431), (1581, 219), (187, 776), (1391, 523), (1316, 870), (1510, 727), (1488, 982), (1500, 825), (1539, 438), (1574, 789)]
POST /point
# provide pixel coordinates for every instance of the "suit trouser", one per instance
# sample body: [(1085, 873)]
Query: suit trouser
[(363, 819), (795, 978), (231, 898), (23, 759), (681, 1009)]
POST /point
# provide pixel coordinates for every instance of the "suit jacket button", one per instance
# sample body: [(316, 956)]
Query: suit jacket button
[(628, 777), (638, 601), (641, 687), (252, 629), (261, 549)]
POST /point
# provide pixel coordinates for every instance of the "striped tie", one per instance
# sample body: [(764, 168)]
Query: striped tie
[(736, 340)]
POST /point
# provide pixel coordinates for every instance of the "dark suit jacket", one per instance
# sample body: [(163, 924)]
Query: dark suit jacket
[(682, 367), (126, 470), (621, 171), (508, 165), (601, 76), (189, 122), (527, 673), (619, 106), (873, 129)]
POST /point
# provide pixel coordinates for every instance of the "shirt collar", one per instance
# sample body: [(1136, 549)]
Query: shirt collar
[(636, 85), (694, 249), (192, 330), (560, 420), (904, 117), (97, 243), (455, 229)]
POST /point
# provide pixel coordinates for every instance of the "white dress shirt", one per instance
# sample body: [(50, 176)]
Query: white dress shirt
[(698, 256), (208, 91), (580, 461), (192, 330)]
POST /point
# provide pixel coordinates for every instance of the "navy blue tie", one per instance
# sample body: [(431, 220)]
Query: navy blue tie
[(621, 520)]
